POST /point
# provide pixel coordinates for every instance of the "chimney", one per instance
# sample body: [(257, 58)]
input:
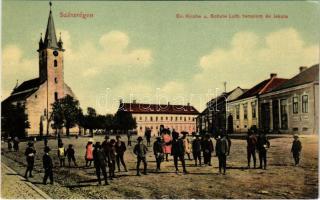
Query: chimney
[(168, 103), (302, 68), (273, 75), (121, 101), (188, 104), (134, 101)]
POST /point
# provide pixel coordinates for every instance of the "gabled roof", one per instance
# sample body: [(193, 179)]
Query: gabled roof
[(141, 108), (19, 96), (221, 98), (309, 75), (27, 85), (23, 91), (262, 87)]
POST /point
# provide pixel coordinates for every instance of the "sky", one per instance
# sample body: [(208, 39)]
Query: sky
[(142, 51)]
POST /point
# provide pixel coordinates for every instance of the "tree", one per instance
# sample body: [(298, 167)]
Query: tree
[(71, 112), (91, 119), (65, 113), (14, 120), (109, 122), (57, 116), (124, 121)]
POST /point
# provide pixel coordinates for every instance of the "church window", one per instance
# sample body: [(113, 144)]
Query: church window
[(56, 96), (55, 63), (45, 112), (55, 80)]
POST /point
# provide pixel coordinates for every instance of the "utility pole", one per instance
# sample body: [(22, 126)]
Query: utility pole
[(226, 106)]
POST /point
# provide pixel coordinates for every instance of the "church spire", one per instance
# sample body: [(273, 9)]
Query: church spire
[(50, 39)]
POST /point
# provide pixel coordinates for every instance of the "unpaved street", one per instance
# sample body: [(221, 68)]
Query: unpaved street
[(280, 180)]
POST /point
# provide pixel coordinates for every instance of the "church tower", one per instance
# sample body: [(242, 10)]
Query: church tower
[(51, 61)]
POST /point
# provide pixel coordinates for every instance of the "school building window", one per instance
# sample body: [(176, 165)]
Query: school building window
[(151, 119), (245, 111), (305, 103), (295, 105), (254, 110), (237, 112)]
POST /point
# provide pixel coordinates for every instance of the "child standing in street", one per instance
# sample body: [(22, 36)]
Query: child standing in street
[(296, 149), (62, 154), (70, 155)]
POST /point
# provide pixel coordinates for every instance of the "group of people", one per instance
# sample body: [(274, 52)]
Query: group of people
[(170, 143), (261, 145), (110, 153)]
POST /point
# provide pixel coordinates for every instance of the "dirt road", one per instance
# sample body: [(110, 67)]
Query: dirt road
[(280, 180)]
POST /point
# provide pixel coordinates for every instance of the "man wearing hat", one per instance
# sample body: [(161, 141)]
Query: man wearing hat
[(120, 149), (221, 152), (47, 165), (207, 149), (296, 149), (177, 152), (196, 149), (263, 145), (158, 152), (100, 162), (30, 154), (140, 150)]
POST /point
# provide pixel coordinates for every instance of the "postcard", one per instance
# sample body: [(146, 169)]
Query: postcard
[(159, 99)]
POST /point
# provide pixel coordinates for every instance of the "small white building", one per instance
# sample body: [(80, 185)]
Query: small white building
[(244, 111), (178, 117)]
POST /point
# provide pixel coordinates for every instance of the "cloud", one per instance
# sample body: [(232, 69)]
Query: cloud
[(16, 67), (250, 58)]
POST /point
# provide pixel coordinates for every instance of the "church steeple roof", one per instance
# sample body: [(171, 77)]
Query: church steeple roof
[(50, 39)]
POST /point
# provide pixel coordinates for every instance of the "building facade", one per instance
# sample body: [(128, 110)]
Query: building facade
[(152, 116), (293, 107), (244, 111), (213, 118), (37, 95)]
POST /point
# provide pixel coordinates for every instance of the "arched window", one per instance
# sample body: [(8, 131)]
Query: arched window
[(55, 63)]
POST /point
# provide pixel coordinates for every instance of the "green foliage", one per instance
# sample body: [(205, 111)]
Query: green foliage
[(124, 121), (14, 120), (65, 113)]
